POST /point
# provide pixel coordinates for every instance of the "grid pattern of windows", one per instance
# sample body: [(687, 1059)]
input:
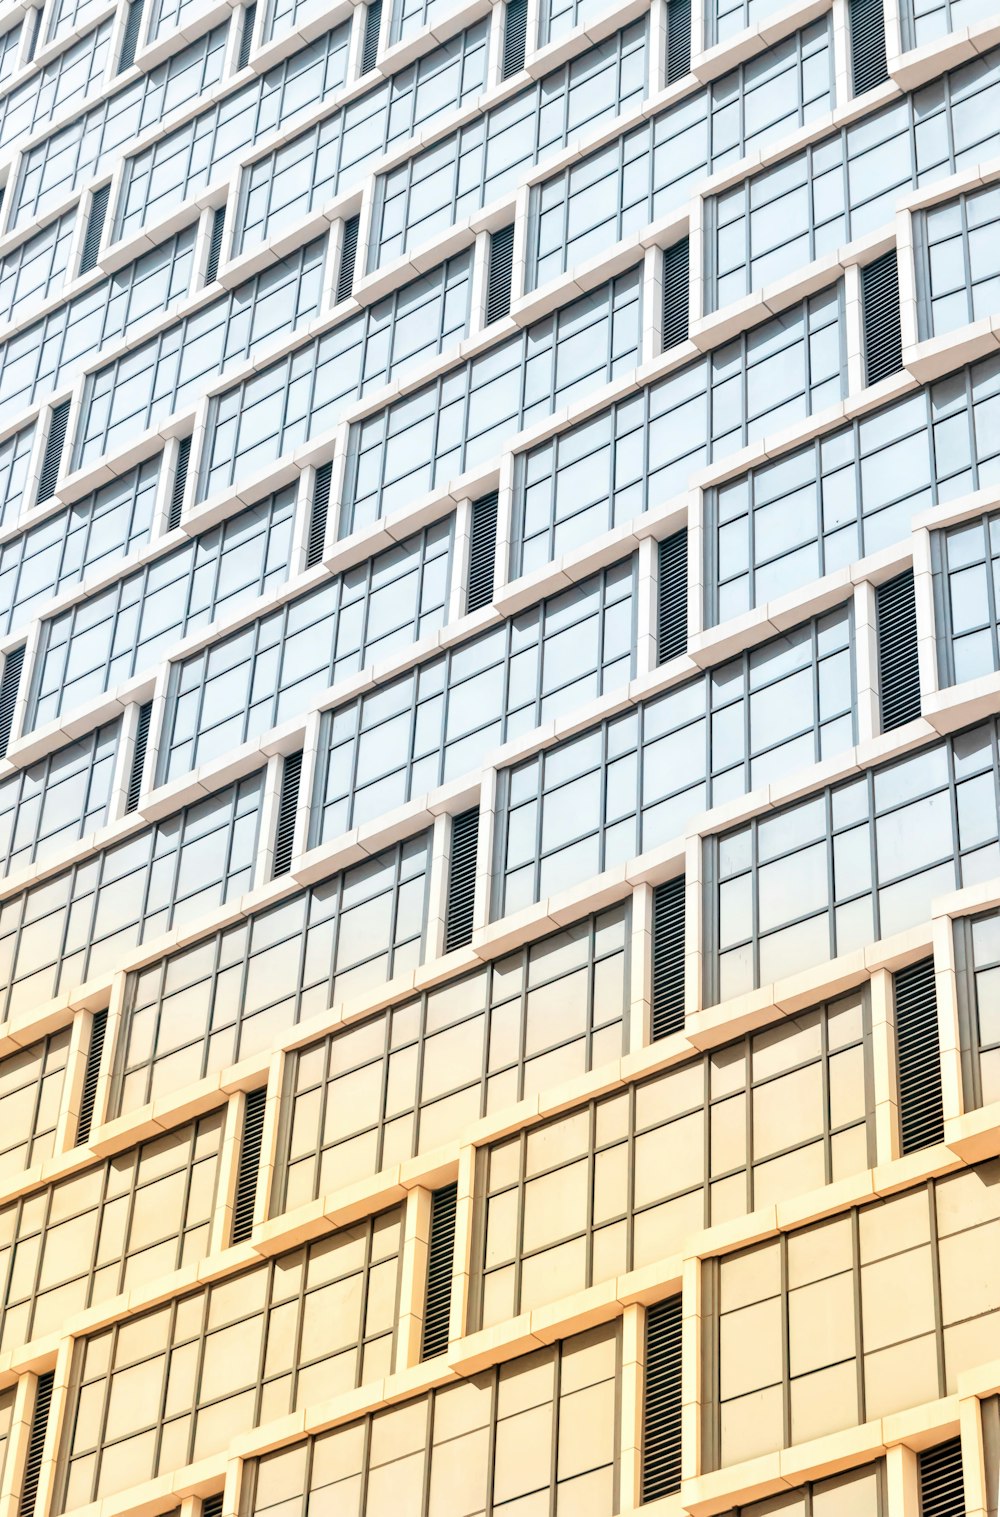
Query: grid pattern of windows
[(925, 21), (180, 165), (10, 43), (649, 172), (69, 545), (100, 642), (409, 16), (850, 493), (854, 863), (65, 16), (529, 1438), (860, 1493), (883, 1307), (958, 261), (174, 1385), (31, 1091), (333, 156), (421, 441), (43, 356), (15, 456), (847, 185), (143, 387), (636, 781), (35, 269), (623, 1181), (274, 668), (725, 19), (108, 1229), (418, 1075), (167, 16), (431, 191), (72, 75), (204, 1008), (977, 948), (81, 922), (612, 467), (88, 146), (287, 15), (58, 799), (265, 417), (967, 581), (441, 720)]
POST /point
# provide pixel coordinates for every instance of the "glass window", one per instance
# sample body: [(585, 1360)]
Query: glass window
[(112, 1228), (409, 16), (966, 580), (860, 1493), (627, 1180), (36, 268), (66, 16), (635, 782), (977, 947), (958, 261), (924, 21), (417, 1075), (15, 456), (175, 1385), (727, 18), (10, 42), (57, 800), (7, 1399), (31, 1092), (226, 997), (168, 16), (72, 75), (289, 15), (80, 924), (274, 668)]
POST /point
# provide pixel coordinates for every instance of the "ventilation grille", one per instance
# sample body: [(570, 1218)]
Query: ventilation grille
[(373, 26), (668, 958), (284, 837), (95, 228), (515, 37), (130, 36), (671, 601), (36, 1444), (498, 280), (138, 757), (880, 314), (661, 1411), (180, 483), (54, 444), (211, 1506), (440, 1262), (482, 552), (941, 1492), (678, 39), (898, 663), (348, 259), (215, 245), (676, 294), (318, 515), (98, 1028), (249, 1165), (462, 880), (35, 25), (868, 62), (246, 43), (921, 1111), (9, 682)]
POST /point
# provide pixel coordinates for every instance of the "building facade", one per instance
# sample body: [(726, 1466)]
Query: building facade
[(500, 758)]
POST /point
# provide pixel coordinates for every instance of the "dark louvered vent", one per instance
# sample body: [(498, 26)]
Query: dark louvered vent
[(95, 228), (373, 26), (501, 270), (98, 1027), (678, 39), (462, 880), (246, 43), (138, 757), (676, 294), (918, 1057), (672, 597), (9, 682), (482, 552), (34, 28), (661, 1410), (668, 958), (211, 1506), (440, 1262), (54, 444), (180, 483), (348, 259), (880, 315), (288, 805), (941, 1491), (515, 37), (215, 244), (867, 28), (249, 1164), (318, 514), (130, 36), (898, 664), (36, 1444)]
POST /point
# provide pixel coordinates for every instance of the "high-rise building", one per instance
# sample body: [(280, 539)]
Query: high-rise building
[(500, 758)]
